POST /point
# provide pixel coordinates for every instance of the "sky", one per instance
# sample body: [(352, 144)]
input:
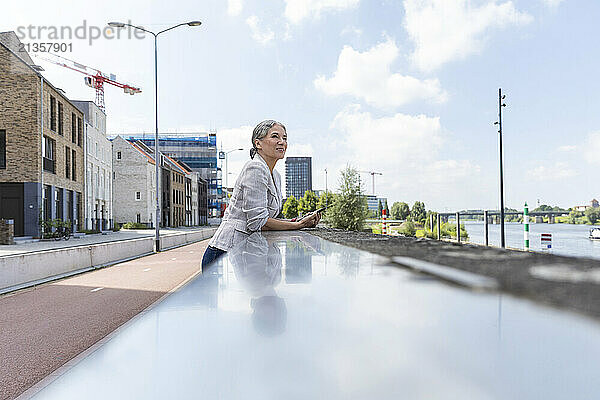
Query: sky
[(406, 88)]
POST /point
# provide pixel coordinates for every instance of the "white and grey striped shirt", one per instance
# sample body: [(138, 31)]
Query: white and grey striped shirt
[(256, 198)]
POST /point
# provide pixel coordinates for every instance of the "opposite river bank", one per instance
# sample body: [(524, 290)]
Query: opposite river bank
[(567, 239)]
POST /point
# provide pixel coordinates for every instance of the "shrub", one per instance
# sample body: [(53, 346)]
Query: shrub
[(449, 231), (290, 208), (407, 228), (349, 209), (134, 225)]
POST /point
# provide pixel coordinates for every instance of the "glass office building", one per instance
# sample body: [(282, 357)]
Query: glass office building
[(199, 152), (298, 176)]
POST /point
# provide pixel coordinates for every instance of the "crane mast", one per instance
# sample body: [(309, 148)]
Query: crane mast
[(372, 173)]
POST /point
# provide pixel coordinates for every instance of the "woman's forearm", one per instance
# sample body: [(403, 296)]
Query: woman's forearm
[(274, 224)]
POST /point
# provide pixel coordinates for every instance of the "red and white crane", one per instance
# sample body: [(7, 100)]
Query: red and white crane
[(94, 78), (372, 173)]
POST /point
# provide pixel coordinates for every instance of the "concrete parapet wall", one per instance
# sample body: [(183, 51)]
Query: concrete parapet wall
[(23, 270)]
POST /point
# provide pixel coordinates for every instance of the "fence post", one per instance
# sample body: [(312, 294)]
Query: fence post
[(526, 225), (458, 227), (486, 231), (439, 231)]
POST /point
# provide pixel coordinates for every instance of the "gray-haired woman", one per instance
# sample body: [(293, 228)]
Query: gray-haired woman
[(256, 199)]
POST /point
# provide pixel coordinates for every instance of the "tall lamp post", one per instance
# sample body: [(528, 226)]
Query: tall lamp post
[(227, 168), (501, 104), (156, 152)]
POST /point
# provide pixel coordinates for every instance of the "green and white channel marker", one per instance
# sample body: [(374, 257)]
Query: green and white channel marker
[(526, 224)]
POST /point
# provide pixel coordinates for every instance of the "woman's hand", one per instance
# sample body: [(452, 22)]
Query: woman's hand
[(310, 221)]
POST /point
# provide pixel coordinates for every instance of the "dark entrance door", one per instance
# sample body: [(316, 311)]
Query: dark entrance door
[(11, 205)]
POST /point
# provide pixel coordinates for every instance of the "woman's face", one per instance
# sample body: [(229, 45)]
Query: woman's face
[(274, 144)]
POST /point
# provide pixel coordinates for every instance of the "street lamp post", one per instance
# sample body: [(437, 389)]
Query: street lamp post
[(227, 169), (501, 104), (156, 152)]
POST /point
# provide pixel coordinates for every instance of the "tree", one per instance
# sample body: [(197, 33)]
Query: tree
[(418, 213), (400, 210), (387, 210), (325, 200), (290, 208), (349, 209), (574, 216), (431, 215), (308, 203), (379, 208), (593, 215)]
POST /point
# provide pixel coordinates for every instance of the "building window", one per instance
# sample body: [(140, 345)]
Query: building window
[(73, 128), (114, 175), (53, 113), (79, 131), (139, 218), (67, 162), (118, 155), (58, 201), (60, 119), (74, 165), (2, 149), (138, 195), (49, 150)]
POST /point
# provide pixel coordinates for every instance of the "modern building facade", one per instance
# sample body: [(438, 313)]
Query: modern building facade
[(98, 208), (373, 202), (197, 150), (298, 176), (41, 146)]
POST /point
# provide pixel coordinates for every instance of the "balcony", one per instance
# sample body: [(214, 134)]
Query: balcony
[(49, 165)]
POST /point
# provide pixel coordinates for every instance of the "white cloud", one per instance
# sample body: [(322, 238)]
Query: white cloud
[(297, 10), (444, 31), (398, 139), (551, 172), (552, 3), (407, 150), (234, 7), (351, 30), (567, 148), (592, 148), (262, 36), (368, 76)]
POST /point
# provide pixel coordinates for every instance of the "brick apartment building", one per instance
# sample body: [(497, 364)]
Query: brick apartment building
[(41, 145)]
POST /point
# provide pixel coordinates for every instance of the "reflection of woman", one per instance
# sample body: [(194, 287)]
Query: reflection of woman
[(256, 199), (257, 267)]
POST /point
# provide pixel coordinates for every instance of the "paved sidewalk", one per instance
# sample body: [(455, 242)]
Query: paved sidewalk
[(124, 234), (44, 327)]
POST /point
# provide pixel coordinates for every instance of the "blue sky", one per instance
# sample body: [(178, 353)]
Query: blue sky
[(407, 88)]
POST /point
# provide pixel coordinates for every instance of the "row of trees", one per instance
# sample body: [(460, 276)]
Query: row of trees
[(347, 209)]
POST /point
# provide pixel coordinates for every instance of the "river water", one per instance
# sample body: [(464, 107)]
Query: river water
[(567, 239)]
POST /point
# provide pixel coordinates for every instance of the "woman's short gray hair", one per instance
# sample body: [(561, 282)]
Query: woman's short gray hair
[(261, 131)]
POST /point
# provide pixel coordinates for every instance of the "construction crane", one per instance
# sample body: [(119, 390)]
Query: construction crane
[(372, 173), (94, 78)]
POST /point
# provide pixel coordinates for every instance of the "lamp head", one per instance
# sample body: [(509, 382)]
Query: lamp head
[(503, 105), (194, 23), (496, 123), (116, 24)]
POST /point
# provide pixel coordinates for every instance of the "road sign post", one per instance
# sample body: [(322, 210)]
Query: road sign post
[(546, 241), (526, 225)]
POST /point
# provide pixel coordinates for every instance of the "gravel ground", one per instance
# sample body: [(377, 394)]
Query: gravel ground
[(567, 282)]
